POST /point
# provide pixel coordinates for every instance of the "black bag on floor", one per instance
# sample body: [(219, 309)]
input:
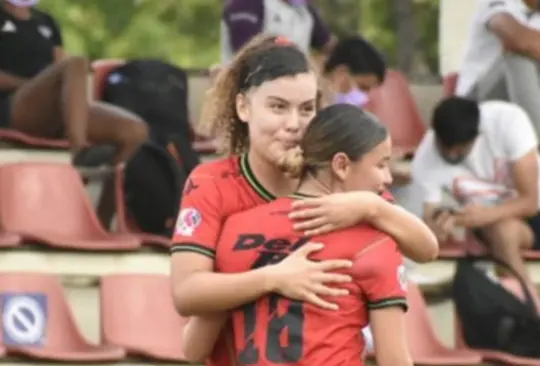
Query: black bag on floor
[(492, 318), (154, 179), (155, 175)]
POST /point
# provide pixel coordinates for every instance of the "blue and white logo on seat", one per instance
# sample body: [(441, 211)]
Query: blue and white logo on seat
[(24, 318)]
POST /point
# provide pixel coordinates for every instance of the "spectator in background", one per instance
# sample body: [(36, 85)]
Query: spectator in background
[(296, 20), (44, 93), (502, 55), (484, 155), (353, 68)]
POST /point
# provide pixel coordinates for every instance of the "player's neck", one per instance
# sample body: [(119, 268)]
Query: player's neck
[(271, 177), (313, 187)]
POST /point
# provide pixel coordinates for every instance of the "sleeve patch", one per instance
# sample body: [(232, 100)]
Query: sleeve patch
[(188, 220)]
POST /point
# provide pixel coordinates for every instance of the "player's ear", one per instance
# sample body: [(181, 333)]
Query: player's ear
[(341, 165), (242, 107)]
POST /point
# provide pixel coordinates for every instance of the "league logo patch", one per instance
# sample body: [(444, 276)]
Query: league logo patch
[(402, 277), (188, 220)]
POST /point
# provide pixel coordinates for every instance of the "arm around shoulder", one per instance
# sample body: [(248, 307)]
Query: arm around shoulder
[(415, 239)]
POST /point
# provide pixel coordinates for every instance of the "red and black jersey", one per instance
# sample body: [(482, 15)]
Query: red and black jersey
[(278, 331), (213, 192)]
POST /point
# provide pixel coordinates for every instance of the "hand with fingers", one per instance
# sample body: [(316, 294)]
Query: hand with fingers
[(443, 225), (299, 278), (321, 215)]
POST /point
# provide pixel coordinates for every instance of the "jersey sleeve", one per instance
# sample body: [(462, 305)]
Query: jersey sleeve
[(200, 218), (380, 274), (490, 8), (243, 19), (56, 36), (517, 134), (427, 168)]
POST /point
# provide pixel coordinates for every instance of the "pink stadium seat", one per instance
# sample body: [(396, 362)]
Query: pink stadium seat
[(450, 83), (63, 341), (17, 137), (9, 240), (394, 104), (425, 347), (102, 68), (126, 302), (47, 203), (125, 223)]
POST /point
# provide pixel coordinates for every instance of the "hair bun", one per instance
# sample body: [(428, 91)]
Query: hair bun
[(292, 162)]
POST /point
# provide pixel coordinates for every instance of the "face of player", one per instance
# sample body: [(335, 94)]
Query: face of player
[(370, 173), (278, 112)]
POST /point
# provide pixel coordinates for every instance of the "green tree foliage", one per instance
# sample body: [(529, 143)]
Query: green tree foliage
[(186, 32)]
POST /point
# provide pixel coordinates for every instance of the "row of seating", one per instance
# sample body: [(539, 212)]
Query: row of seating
[(138, 319), (47, 204)]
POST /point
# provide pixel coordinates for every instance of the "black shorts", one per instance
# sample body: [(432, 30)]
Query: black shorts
[(5, 111)]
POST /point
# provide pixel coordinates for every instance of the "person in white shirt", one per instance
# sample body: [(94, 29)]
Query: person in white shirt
[(485, 156), (502, 55)]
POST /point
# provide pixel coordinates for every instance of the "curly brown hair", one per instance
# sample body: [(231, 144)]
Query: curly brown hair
[(264, 58)]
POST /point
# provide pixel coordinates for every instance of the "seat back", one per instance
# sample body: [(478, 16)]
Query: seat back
[(46, 198), (394, 104), (126, 301), (450, 84), (60, 328), (420, 333), (101, 69)]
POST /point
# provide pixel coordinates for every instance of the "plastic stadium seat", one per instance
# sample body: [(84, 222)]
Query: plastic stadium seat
[(63, 341), (20, 138), (126, 302), (394, 104), (449, 84), (9, 240), (125, 223), (101, 69), (425, 347), (46, 203)]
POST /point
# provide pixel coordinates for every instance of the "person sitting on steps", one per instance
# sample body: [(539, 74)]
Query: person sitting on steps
[(43, 92)]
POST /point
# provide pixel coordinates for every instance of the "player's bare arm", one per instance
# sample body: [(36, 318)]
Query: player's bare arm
[(515, 36), (337, 211), (525, 204), (388, 327), (200, 335), (380, 273), (197, 290)]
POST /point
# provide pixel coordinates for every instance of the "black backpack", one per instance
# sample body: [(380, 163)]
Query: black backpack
[(154, 179), (154, 90), (155, 176), (493, 318)]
